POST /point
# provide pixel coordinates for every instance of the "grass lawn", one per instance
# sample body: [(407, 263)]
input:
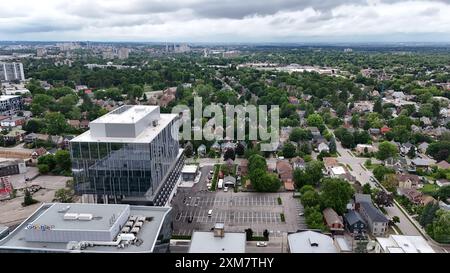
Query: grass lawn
[(429, 188)]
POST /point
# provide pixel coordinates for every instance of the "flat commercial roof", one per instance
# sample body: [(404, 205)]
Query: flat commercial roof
[(205, 242), (126, 114), (101, 213), (7, 97), (310, 242), (148, 233), (338, 170), (189, 169), (405, 244), (145, 137)]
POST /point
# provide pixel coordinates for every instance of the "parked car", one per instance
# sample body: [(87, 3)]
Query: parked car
[(210, 213), (225, 189), (261, 244)]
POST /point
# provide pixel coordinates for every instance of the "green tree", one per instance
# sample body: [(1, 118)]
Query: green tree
[(335, 194), (380, 171), (264, 182), (43, 168), (366, 189), (306, 188), (55, 123), (33, 126), (310, 199), (386, 150), (188, 149), (229, 154), (314, 218), (62, 158), (332, 145), (315, 120), (289, 150), (440, 229), (378, 106), (28, 199), (439, 150), (41, 103), (428, 214), (64, 196)]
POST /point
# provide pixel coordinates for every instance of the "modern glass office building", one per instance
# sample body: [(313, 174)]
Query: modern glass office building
[(128, 156)]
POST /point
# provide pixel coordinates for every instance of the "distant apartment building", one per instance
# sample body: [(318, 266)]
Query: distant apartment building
[(9, 105), (11, 72), (41, 52), (128, 156), (123, 53)]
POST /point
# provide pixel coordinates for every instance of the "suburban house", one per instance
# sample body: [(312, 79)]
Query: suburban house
[(333, 221), (443, 165), (298, 163), (365, 148), (284, 170), (422, 163), (423, 147), (354, 222), (406, 147), (413, 195), (323, 147), (330, 162), (201, 150), (377, 222), (407, 181)]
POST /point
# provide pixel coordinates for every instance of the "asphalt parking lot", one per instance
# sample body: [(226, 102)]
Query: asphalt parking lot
[(238, 211)]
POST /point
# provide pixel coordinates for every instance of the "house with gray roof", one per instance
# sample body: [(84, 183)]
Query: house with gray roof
[(354, 222), (377, 222)]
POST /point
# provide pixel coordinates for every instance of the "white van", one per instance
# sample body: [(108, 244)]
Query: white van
[(210, 213)]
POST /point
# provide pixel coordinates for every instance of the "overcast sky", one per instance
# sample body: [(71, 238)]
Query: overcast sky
[(226, 20)]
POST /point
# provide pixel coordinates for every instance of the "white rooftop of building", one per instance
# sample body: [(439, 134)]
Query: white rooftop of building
[(338, 170), (205, 242), (7, 97), (404, 244), (189, 169), (127, 124), (311, 242), (51, 215)]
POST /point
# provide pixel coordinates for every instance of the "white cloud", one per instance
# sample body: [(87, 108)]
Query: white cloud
[(276, 21)]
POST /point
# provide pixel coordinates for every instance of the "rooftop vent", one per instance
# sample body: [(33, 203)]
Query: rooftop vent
[(219, 230), (155, 122)]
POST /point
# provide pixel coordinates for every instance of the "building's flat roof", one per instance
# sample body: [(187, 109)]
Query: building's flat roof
[(405, 244), (54, 215), (338, 170), (310, 242), (145, 137), (189, 169), (126, 114), (205, 242), (148, 233), (7, 97)]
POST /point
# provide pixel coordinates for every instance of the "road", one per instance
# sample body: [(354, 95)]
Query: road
[(363, 176)]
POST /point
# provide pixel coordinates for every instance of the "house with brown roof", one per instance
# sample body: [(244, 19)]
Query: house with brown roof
[(38, 152), (74, 123), (407, 181), (413, 195), (330, 162), (284, 170), (443, 165), (84, 124), (333, 221), (289, 185)]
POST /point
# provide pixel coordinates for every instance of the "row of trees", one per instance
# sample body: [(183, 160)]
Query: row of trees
[(262, 181)]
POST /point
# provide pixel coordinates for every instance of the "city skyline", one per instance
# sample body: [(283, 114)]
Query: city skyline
[(231, 21)]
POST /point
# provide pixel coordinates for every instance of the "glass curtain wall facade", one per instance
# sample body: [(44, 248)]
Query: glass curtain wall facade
[(123, 169)]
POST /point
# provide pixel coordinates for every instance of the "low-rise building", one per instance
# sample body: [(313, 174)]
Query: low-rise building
[(217, 241), (377, 222), (92, 228), (354, 222), (310, 242), (333, 220), (402, 244)]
